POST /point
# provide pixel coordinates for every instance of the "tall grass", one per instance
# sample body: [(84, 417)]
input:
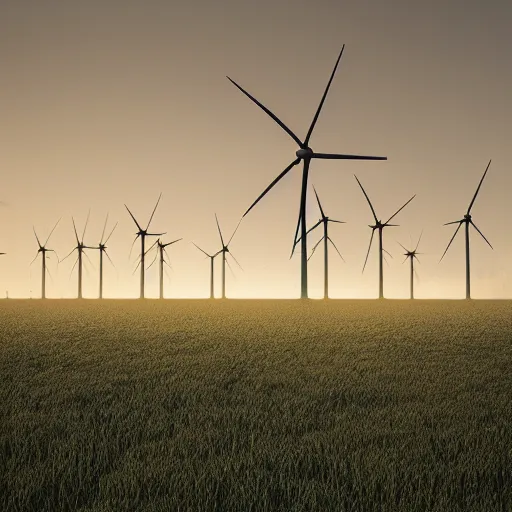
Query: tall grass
[(256, 405)]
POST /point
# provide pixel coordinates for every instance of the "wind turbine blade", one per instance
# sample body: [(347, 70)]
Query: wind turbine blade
[(451, 240), (268, 112), (87, 256), (55, 252), (417, 259), (295, 162), (154, 259), (74, 249), (337, 221), (220, 233), (368, 199), (405, 259), (134, 219), (406, 250), (73, 268), (234, 231), (387, 252), (317, 113), (454, 222), (204, 252), (230, 268), (104, 227), (37, 238), (147, 250), (236, 261), (76, 233), (295, 241), (108, 237), (173, 242), (334, 156), (369, 247), (131, 248), (37, 254), (417, 245), (386, 260), (481, 234), (86, 222), (51, 232), (334, 245), (109, 259), (50, 274), (309, 230), (154, 210), (135, 269), (314, 248), (400, 209), (478, 189), (319, 204)]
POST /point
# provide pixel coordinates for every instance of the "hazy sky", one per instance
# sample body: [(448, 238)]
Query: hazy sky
[(111, 102)]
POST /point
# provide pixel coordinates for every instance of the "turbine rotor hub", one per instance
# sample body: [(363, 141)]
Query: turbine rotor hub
[(304, 153), (467, 216)]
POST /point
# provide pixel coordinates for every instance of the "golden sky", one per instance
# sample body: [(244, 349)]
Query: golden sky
[(109, 102)]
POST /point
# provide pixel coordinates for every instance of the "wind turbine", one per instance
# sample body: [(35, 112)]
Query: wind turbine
[(212, 257), (225, 250), (143, 233), (411, 254), (80, 247), (43, 250), (102, 247), (162, 252), (304, 154), (380, 226), (467, 220), (325, 221)]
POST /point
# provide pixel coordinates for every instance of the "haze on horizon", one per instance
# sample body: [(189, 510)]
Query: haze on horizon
[(106, 103)]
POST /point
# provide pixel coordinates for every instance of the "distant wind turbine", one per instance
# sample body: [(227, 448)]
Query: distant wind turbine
[(43, 250), (380, 226), (161, 254), (212, 258), (304, 154), (467, 220), (225, 250), (325, 221), (143, 233), (412, 255), (80, 247), (102, 247)]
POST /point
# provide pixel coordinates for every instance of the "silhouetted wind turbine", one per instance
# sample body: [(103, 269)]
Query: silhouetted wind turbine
[(306, 154), (225, 250), (380, 226), (102, 247), (162, 252), (325, 221), (467, 220), (412, 255), (143, 233), (80, 247), (43, 250), (212, 257)]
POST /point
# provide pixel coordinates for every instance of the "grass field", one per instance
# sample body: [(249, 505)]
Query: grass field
[(256, 405)]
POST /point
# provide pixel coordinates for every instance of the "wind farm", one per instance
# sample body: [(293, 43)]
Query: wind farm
[(321, 376)]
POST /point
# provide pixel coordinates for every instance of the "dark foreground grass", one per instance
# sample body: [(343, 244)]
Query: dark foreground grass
[(256, 405)]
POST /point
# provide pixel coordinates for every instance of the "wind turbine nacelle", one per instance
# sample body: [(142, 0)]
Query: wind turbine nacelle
[(304, 153)]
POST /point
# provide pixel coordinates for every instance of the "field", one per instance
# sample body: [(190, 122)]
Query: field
[(255, 405)]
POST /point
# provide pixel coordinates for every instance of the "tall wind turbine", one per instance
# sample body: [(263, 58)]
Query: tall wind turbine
[(467, 220), (212, 258), (325, 221), (412, 255), (225, 250), (80, 247), (102, 247), (43, 250), (304, 154), (161, 254), (380, 226), (143, 233)]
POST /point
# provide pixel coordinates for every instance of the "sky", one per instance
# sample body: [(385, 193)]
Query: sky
[(106, 103)]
